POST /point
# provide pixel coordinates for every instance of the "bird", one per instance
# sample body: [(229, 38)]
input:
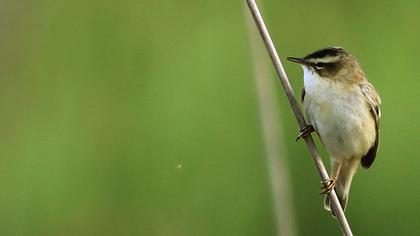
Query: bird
[(342, 107)]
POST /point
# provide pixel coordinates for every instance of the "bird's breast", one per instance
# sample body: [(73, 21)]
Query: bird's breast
[(340, 116)]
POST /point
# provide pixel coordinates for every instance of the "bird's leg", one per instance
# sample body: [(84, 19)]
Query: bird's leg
[(305, 131), (328, 185)]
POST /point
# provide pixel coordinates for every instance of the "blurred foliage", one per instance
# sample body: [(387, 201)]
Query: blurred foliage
[(140, 117)]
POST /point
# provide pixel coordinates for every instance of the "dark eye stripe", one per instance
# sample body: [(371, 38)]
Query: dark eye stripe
[(321, 64), (326, 66)]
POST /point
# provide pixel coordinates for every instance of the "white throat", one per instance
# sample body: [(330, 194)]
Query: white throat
[(312, 81)]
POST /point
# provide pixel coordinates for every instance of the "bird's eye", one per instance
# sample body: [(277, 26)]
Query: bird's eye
[(320, 65)]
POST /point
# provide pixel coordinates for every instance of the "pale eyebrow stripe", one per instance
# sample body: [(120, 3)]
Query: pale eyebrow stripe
[(325, 59)]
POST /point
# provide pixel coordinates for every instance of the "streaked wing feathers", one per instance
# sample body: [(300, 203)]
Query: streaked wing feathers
[(373, 100)]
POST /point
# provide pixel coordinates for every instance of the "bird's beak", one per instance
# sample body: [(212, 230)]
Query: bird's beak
[(298, 60)]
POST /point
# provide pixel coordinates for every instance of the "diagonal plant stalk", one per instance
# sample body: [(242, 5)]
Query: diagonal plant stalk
[(345, 227), (271, 133)]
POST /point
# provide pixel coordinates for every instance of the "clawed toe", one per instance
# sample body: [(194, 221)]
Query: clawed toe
[(305, 131), (328, 185)]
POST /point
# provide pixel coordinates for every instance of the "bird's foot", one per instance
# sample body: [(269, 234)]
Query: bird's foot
[(328, 185), (305, 131)]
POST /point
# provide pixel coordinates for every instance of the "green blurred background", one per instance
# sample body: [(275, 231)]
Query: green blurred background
[(141, 117)]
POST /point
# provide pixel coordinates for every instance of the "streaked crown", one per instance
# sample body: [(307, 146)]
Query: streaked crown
[(327, 55), (331, 62)]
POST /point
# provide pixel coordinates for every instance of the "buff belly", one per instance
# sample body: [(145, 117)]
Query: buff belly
[(341, 117)]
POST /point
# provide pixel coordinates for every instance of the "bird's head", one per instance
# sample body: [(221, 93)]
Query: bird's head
[(333, 63)]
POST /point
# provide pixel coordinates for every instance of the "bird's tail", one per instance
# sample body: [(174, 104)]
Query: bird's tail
[(342, 186)]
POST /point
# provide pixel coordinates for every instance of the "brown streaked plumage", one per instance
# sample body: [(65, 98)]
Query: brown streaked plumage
[(343, 108), (373, 100)]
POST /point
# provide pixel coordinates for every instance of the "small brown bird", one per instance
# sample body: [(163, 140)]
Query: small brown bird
[(343, 108)]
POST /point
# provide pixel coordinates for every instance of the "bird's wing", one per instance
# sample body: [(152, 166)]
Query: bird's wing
[(373, 100)]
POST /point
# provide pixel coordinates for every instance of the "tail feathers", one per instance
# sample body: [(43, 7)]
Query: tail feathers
[(343, 196), (342, 187)]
